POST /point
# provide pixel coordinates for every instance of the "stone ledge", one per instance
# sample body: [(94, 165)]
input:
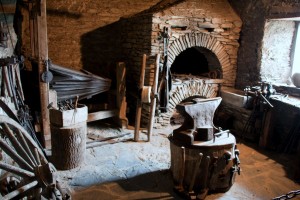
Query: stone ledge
[(288, 89), (291, 101)]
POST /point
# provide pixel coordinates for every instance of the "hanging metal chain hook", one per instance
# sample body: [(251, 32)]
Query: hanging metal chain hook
[(289, 195)]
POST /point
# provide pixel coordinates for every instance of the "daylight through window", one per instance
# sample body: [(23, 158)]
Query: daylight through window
[(296, 63)]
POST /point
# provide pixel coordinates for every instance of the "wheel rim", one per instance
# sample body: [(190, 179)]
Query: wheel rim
[(28, 162)]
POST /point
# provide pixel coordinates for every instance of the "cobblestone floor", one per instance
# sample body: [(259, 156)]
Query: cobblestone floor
[(140, 170)]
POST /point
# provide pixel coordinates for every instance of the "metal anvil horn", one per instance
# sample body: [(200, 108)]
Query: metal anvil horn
[(198, 120)]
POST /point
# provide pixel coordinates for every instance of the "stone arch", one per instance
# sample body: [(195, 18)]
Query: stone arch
[(194, 86), (184, 89), (201, 40)]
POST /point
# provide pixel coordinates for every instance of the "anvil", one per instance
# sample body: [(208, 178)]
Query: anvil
[(198, 120)]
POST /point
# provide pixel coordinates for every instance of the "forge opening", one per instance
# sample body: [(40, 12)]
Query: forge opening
[(198, 61)]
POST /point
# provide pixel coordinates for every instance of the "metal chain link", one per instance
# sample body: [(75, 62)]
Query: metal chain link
[(289, 195)]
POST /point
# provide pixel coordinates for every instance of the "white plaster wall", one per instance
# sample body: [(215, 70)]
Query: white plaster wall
[(276, 50)]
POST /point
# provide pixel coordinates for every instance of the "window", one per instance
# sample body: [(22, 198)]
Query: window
[(296, 61), (280, 55)]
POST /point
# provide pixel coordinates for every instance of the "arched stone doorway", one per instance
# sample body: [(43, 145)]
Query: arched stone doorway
[(195, 55)]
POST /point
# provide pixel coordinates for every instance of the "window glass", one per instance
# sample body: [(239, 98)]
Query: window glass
[(296, 63)]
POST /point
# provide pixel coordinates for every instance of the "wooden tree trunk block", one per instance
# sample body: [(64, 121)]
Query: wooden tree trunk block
[(68, 145)]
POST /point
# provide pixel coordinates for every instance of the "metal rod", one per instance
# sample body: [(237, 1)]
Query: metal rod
[(220, 133), (266, 100)]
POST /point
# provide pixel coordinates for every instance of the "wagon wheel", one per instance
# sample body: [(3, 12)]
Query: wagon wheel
[(25, 160)]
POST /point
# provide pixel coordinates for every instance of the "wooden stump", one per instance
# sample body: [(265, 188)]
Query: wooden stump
[(68, 145)]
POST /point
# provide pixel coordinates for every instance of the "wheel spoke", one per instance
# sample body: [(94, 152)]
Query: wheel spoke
[(30, 162), (24, 144), (41, 155), (16, 170), (9, 151), (37, 157), (5, 119), (20, 190), (18, 148)]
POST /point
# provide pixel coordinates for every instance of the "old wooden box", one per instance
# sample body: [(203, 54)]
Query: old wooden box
[(68, 117)]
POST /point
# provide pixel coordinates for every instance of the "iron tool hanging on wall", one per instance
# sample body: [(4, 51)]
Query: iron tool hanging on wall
[(165, 83)]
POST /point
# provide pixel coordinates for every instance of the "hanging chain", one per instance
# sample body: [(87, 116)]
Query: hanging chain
[(289, 195)]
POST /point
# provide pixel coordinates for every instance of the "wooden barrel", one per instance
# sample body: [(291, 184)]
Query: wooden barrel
[(203, 166), (68, 145)]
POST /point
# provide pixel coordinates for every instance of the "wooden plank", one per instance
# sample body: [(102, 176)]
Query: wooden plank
[(139, 102), (68, 117), (101, 115), (121, 94)]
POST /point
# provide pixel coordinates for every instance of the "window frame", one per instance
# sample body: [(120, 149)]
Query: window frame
[(296, 45)]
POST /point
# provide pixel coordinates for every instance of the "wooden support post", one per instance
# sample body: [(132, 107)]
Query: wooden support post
[(121, 94), (139, 101), (153, 98), (42, 56)]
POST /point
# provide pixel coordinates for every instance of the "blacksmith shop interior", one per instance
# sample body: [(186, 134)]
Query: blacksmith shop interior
[(145, 100)]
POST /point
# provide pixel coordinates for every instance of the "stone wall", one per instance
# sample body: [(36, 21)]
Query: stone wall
[(136, 41), (235, 118), (84, 34), (212, 25), (190, 23), (254, 14)]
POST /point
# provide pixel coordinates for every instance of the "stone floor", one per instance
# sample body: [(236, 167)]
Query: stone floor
[(123, 169)]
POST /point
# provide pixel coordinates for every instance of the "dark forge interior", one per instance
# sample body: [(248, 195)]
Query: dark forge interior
[(197, 61)]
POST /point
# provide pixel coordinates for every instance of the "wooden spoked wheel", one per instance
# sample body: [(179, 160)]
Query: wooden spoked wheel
[(22, 160)]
